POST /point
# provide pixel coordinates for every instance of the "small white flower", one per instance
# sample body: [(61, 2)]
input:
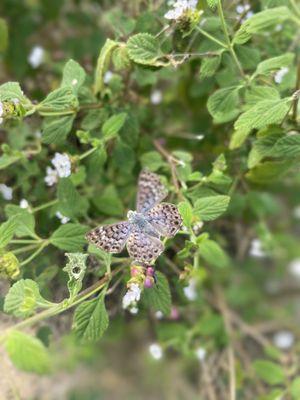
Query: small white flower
[(199, 137), (6, 191), (51, 176), (180, 7), (294, 268), (197, 227), (74, 82), (36, 56), (278, 28), (133, 310), (256, 249), (37, 134), (107, 77), (190, 291), (200, 353), (62, 165), (156, 351), (159, 315), (280, 74), (296, 212), (24, 203), (63, 218), (241, 8), (156, 97), (283, 340), (132, 296)]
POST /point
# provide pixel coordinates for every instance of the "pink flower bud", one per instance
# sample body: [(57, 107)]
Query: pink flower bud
[(134, 271), (174, 313), (150, 271), (149, 281)]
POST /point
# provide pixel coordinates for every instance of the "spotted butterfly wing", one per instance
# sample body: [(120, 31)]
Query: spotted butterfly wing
[(150, 191), (165, 219), (143, 247), (110, 238)]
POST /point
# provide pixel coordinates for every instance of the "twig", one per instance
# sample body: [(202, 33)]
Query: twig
[(295, 102)]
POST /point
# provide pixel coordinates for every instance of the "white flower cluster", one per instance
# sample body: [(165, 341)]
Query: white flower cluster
[(280, 74), (180, 7), (256, 249), (132, 296), (6, 191), (63, 218), (24, 204), (200, 353), (62, 169), (1, 112), (244, 9), (190, 291), (36, 56), (283, 340), (156, 351)]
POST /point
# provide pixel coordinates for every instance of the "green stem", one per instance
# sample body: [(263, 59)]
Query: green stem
[(36, 253), (46, 205), (87, 153), (229, 44), (25, 241), (25, 249), (204, 33)]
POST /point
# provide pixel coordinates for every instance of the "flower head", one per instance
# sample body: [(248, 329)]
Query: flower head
[(51, 176), (200, 353), (294, 268), (62, 165), (107, 77), (132, 296), (283, 340), (24, 203), (156, 97), (156, 351), (180, 7), (36, 56), (190, 291), (256, 249), (6, 191)]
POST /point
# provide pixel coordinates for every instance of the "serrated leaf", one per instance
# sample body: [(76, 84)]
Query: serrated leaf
[(91, 319), (27, 353), (12, 90), (7, 160), (75, 268), (24, 219), (24, 298), (209, 66), (256, 94), (223, 104), (186, 212), (269, 372), (152, 160), (109, 202), (287, 146), (159, 296), (70, 202), (144, 49), (73, 75), (56, 129), (113, 125), (102, 63), (269, 171), (263, 114), (69, 237), (212, 3), (260, 149), (272, 64), (261, 21), (61, 99), (210, 208), (7, 230), (213, 254)]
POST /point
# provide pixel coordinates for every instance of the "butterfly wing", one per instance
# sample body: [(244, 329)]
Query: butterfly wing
[(110, 238), (165, 219), (143, 247), (150, 191)]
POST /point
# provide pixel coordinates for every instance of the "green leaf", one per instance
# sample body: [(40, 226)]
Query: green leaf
[(91, 319), (3, 35), (69, 237), (213, 254), (27, 353), (287, 146), (12, 90), (24, 298), (7, 230), (159, 296), (261, 149), (186, 212), (25, 220), (113, 125), (264, 113), (109, 202), (75, 268), (256, 94), (269, 372), (295, 388), (269, 171), (70, 203), (144, 49), (212, 3), (211, 207), (6, 160), (73, 75), (209, 66), (56, 129), (102, 63), (61, 99), (152, 160), (223, 104), (272, 64), (260, 22)]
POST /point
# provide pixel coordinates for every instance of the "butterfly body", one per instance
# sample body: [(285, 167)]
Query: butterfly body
[(141, 233)]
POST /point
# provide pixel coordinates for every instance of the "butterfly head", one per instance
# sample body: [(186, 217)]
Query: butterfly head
[(136, 218)]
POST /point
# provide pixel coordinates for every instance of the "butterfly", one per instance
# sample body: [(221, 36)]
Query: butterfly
[(142, 231)]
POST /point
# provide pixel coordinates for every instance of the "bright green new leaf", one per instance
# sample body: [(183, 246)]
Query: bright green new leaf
[(261, 148), (61, 99), (113, 125), (69, 237), (144, 49), (269, 372), (159, 296), (24, 298), (28, 353), (213, 254), (152, 160), (12, 90), (91, 319), (24, 219), (211, 207), (103, 63), (223, 104), (272, 64), (287, 146), (186, 212), (209, 66), (73, 75), (269, 171), (7, 230)]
